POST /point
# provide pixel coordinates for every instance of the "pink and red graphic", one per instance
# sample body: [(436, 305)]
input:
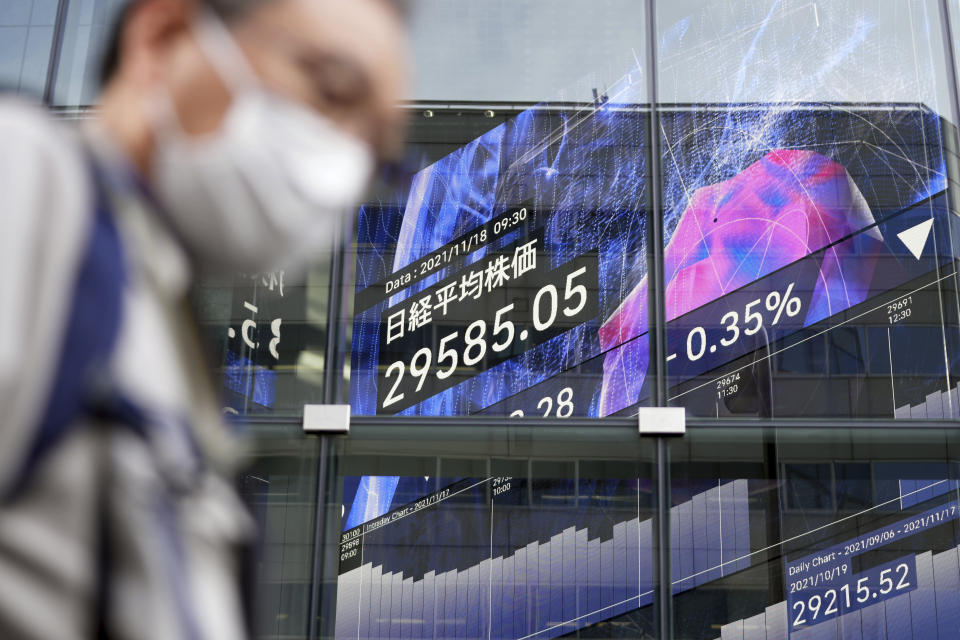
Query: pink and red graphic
[(780, 209)]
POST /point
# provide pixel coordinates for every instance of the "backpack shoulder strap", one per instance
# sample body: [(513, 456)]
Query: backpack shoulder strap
[(89, 336)]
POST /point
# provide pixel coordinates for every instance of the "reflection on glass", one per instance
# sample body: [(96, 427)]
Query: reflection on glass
[(810, 260), (483, 284), (278, 485), (834, 547), (802, 534), (486, 290), (816, 280), (789, 51), (806, 223), (267, 335), (504, 557)]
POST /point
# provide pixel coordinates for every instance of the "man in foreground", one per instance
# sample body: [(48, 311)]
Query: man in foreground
[(230, 136)]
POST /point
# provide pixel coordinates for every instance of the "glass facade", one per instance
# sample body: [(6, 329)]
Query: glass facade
[(747, 209), (26, 36)]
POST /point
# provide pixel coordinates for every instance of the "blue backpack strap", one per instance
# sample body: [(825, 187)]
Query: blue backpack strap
[(90, 334)]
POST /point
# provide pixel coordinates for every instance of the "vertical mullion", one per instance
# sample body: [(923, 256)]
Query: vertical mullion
[(331, 395), (664, 591), (56, 46), (655, 266), (657, 330), (952, 83), (951, 62), (319, 538), (332, 372)]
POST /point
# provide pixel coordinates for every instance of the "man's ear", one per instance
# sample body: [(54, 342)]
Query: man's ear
[(150, 30)]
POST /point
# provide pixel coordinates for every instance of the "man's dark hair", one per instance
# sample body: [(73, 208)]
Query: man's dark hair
[(227, 10)]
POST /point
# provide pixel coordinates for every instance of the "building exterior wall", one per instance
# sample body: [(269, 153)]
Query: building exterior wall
[(746, 209)]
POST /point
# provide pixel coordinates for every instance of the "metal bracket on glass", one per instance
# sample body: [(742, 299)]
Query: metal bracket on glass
[(662, 421), (326, 419)]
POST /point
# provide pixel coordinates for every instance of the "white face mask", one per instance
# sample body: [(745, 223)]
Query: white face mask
[(265, 190)]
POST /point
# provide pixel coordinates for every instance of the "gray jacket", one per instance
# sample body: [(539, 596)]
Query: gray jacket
[(115, 518)]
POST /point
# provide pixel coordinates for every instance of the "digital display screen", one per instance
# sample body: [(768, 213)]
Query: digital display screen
[(512, 558), (809, 268), (810, 271), (835, 581)]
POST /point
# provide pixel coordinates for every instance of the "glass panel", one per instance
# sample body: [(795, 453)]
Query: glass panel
[(529, 536), (809, 249), (26, 32), (502, 50), (279, 485), (816, 534), (267, 335), (485, 283)]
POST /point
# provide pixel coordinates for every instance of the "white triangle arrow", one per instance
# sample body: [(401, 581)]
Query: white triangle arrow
[(916, 237)]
